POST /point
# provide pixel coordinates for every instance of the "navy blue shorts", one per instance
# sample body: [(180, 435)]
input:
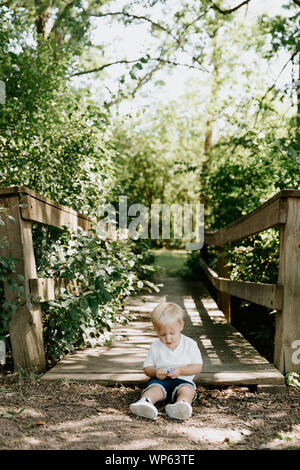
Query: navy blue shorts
[(170, 387)]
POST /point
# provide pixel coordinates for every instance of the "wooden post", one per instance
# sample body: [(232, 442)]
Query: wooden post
[(223, 297), (287, 334), (25, 328)]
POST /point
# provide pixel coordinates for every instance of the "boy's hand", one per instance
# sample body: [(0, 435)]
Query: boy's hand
[(160, 374), (174, 373)]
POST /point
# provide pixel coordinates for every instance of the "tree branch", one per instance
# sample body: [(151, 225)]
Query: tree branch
[(125, 61), (178, 40), (230, 10), (42, 16), (273, 85), (145, 79), (61, 16), (197, 18), (137, 17), (297, 2), (102, 67), (140, 83)]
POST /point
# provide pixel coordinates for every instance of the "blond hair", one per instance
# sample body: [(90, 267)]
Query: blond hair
[(165, 313)]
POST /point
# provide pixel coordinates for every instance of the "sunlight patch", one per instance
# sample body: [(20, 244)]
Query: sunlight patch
[(192, 311), (213, 435), (284, 440)]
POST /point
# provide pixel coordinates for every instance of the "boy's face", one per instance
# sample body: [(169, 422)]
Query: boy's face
[(170, 334)]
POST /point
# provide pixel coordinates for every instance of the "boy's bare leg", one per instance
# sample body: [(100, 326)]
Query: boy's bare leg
[(185, 393), (154, 393)]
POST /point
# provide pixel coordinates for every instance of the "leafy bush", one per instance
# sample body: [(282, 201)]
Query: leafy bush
[(14, 283), (242, 173), (104, 272), (191, 268), (53, 138), (234, 185)]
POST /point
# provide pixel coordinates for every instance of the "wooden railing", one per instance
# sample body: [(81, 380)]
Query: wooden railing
[(282, 210), (26, 332), (26, 206)]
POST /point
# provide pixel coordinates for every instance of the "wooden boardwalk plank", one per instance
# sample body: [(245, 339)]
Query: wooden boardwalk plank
[(227, 357)]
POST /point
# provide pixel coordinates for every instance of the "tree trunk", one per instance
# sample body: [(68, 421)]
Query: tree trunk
[(42, 9), (211, 107)]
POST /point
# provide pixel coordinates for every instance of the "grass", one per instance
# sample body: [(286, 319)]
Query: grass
[(169, 262)]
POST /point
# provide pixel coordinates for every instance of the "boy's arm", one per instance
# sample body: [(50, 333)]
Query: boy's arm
[(191, 369), (153, 372)]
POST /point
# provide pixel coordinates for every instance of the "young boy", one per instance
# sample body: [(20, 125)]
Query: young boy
[(172, 362)]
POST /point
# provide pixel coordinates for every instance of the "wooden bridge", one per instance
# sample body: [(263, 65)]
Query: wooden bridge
[(228, 357)]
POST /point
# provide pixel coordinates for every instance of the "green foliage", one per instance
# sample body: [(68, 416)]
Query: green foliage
[(292, 379), (283, 30), (152, 161), (234, 186), (256, 259), (14, 284), (7, 273), (28, 375), (251, 170), (47, 130), (55, 140), (104, 272), (11, 414), (191, 266), (170, 263)]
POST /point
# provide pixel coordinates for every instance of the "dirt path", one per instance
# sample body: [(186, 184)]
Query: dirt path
[(69, 415)]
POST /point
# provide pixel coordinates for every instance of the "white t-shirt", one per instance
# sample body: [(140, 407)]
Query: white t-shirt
[(162, 357)]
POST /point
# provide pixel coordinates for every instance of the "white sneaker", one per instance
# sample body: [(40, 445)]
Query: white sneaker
[(144, 408), (179, 410)]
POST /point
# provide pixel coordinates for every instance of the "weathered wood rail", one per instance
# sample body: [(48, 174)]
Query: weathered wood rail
[(282, 210), (27, 206)]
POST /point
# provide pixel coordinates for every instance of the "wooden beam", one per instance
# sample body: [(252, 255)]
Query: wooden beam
[(24, 192), (244, 377), (25, 328), (48, 214), (223, 297), (287, 333), (49, 288), (268, 295), (266, 216)]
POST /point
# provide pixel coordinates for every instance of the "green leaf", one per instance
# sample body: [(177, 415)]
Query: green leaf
[(93, 304), (7, 415), (84, 303)]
